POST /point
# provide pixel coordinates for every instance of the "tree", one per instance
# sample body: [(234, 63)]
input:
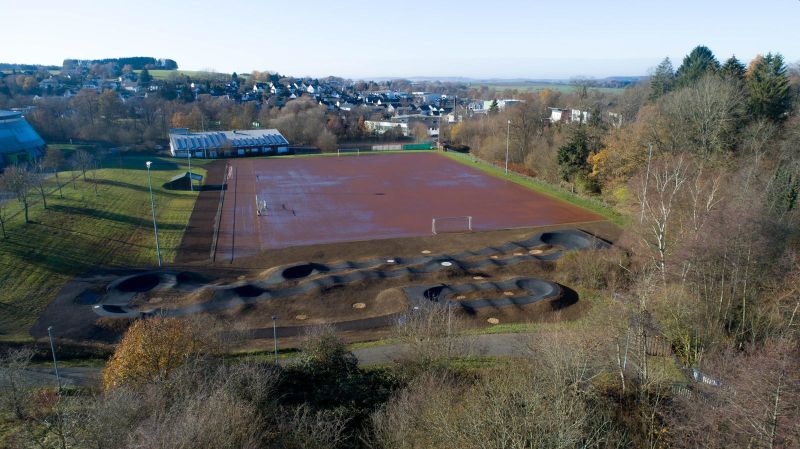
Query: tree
[(662, 80), (494, 108), (573, 156), (83, 161), (18, 180), (768, 87), (696, 64), (152, 349), (54, 160), (110, 106), (40, 413), (420, 131), (3, 219), (38, 178), (145, 78), (733, 69), (14, 395), (325, 356), (704, 116)]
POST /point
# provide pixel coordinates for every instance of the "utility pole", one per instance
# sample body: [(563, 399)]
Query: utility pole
[(275, 337), (55, 362), (153, 207), (189, 157), (508, 135)]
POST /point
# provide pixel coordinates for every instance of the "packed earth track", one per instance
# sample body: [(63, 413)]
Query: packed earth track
[(325, 199)]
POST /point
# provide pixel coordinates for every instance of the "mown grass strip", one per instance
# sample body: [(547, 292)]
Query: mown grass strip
[(539, 186), (84, 230)]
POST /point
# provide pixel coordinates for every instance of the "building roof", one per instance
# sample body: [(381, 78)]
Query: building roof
[(194, 176), (216, 140), (16, 135)]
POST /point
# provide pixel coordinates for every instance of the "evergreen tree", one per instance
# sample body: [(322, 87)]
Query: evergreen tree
[(695, 65), (494, 108), (663, 79), (573, 156), (768, 87), (145, 78), (733, 69)]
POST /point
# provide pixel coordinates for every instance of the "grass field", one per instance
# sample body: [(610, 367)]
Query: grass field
[(84, 230), (541, 187), (536, 87), (194, 74)]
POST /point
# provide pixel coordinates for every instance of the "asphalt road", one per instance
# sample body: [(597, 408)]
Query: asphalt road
[(486, 345)]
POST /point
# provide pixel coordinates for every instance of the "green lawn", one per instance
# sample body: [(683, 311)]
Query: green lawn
[(70, 148), (540, 186), (83, 230), (194, 74)]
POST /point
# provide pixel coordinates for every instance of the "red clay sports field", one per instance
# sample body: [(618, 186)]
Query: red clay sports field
[(312, 200)]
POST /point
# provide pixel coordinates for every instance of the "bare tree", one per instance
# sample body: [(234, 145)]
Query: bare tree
[(3, 218), (38, 177), (14, 385), (429, 332), (18, 180), (83, 161), (54, 160), (664, 184)]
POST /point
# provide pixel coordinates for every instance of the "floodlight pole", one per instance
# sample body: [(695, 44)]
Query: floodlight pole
[(55, 362), (191, 183), (508, 135), (275, 337), (153, 207)]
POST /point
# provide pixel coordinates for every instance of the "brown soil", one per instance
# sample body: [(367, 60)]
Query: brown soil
[(380, 297), (486, 294)]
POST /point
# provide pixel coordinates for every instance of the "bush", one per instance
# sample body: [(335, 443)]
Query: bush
[(595, 269)]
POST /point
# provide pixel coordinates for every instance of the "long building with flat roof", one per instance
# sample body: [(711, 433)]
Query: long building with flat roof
[(215, 144), (18, 140)]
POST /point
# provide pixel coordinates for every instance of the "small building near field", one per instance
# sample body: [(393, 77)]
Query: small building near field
[(183, 181), (238, 143), (18, 140)]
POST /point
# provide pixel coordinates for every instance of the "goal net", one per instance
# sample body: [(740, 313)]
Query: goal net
[(441, 225), (341, 151)]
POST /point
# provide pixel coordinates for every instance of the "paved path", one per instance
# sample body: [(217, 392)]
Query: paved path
[(486, 345)]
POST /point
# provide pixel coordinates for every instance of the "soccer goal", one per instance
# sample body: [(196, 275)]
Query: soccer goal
[(441, 225), (341, 151), (261, 206)]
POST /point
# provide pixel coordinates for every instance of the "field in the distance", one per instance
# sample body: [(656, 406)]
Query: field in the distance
[(538, 87), (193, 74), (84, 230), (318, 200)]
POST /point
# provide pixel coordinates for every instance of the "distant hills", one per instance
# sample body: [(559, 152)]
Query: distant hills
[(610, 81)]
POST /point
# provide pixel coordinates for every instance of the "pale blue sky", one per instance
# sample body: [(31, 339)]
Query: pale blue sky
[(405, 38)]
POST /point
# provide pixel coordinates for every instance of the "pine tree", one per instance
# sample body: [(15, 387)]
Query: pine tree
[(768, 87), (733, 69), (494, 108), (573, 156), (662, 80), (145, 78), (696, 65)]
